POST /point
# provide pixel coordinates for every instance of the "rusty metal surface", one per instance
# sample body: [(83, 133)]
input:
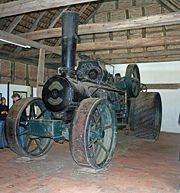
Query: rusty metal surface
[(11, 122), (14, 120), (78, 130)]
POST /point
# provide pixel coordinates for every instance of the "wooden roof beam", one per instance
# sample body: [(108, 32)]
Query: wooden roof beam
[(12, 25), (124, 44), (19, 40), (24, 6), (127, 24), (176, 3), (130, 43), (163, 86), (56, 17), (142, 60), (139, 54), (37, 21), (18, 49)]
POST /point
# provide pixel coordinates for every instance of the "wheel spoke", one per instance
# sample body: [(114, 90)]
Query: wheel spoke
[(95, 128), (102, 110), (24, 132), (42, 113), (32, 112), (102, 146), (26, 138), (93, 153), (28, 145), (92, 142), (106, 127), (38, 144), (34, 150), (95, 120)]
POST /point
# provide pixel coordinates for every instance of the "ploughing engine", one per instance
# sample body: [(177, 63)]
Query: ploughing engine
[(84, 106)]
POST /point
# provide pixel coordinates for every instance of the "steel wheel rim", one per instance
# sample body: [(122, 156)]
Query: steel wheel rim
[(101, 135), (33, 146), (157, 116)]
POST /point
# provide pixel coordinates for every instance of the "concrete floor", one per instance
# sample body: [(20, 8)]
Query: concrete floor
[(138, 166)]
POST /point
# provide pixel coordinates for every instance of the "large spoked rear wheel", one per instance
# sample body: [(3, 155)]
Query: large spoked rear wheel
[(145, 115), (19, 139), (93, 133)]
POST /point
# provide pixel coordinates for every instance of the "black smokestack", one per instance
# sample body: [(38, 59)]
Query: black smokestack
[(69, 40)]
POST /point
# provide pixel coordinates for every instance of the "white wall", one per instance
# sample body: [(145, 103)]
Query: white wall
[(162, 72), (34, 92), (12, 88), (170, 109), (3, 90)]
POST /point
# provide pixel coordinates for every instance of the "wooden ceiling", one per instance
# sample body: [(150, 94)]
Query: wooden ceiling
[(121, 39)]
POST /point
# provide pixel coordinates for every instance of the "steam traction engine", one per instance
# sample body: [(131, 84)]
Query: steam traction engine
[(84, 106)]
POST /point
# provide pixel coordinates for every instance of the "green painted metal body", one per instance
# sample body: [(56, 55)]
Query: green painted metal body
[(54, 129)]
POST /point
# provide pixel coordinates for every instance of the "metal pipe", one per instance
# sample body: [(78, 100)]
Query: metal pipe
[(69, 40)]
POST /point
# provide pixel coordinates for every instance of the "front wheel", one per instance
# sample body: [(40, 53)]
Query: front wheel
[(93, 133), (19, 138)]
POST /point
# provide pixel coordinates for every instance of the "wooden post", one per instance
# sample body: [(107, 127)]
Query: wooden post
[(27, 75), (40, 72), (0, 71), (12, 72)]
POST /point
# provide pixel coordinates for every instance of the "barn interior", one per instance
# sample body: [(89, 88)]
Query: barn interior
[(116, 33)]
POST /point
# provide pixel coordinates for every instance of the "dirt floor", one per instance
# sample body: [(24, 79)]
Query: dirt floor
[(138, 166)]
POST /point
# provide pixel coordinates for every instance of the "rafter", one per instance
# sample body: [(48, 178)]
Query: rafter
[(54, 21), (37, 21), (176, 3), (19, 40), (24, 6), (169, 5), (18, 49), (128, 24), (57, 17), (94, 12), (12, 25)]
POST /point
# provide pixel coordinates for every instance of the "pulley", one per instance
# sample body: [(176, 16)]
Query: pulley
[(132, 80)]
